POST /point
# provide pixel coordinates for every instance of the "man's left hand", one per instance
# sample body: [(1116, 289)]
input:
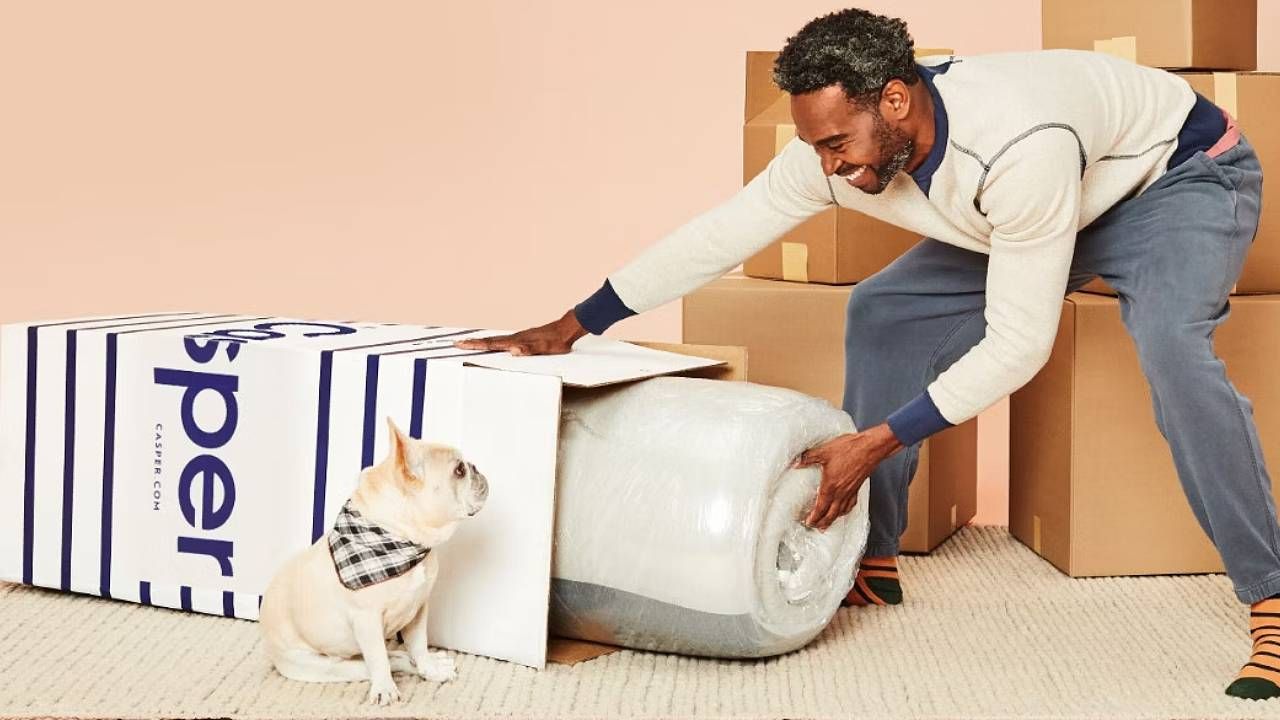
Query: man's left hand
[(846, 462)]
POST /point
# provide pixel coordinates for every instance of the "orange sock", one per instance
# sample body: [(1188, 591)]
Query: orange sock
[(1259, 679), (876, 584)]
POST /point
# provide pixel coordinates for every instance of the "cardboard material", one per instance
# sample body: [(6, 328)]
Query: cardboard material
[(1092, 486), (838, 245), (794, 335), (566, 651), (1251, 98), (1206, 34), (595, 361), (1123, 47), (733, 359), (178, 459)]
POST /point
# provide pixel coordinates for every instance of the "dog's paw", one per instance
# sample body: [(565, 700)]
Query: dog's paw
[(401, 662), (383, 691), (437, 667)]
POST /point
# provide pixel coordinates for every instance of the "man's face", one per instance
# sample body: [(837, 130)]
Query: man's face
[(860, 145)]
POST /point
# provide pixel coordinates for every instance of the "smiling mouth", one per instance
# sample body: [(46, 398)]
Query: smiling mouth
[(852, 178)]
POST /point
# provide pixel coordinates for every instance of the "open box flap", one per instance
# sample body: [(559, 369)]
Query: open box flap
[(597, 361)]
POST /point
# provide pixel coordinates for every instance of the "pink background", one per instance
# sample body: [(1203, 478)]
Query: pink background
[(482, 162)]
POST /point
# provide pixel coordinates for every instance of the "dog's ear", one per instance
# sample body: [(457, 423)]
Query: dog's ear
[(399, 447)]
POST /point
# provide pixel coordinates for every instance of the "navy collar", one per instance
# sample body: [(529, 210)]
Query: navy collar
[(923, 175)]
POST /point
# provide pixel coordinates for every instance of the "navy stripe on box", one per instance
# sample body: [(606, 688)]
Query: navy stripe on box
[(370, 410), (108, 467), (29, 480), (228, 603), (68, 459), (419, 390), (144, 592), (185, 597), (322, 445)]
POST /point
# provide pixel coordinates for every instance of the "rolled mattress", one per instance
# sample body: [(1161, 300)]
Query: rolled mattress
[(679, 519)]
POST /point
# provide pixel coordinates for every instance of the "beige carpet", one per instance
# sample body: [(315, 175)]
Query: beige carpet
[(988, 630)]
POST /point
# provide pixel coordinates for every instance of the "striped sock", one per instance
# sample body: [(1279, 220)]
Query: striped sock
[(1259, 679), (876, 583)]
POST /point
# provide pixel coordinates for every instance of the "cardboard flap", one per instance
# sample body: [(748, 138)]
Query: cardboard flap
[(777, 112), (761, 90), (567, 651), (494, 586), (596, 361), (734, 357)]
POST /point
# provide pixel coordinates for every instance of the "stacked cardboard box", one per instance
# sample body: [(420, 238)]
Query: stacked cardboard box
[(794, 335), (1208, 34), (1092, 487)]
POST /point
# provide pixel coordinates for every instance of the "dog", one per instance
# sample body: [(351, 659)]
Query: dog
[(371, 575)]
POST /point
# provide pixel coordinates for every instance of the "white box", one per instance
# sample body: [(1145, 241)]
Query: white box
[(178, 459)]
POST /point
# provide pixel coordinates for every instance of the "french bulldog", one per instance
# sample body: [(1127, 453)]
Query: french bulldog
[(371, 575)]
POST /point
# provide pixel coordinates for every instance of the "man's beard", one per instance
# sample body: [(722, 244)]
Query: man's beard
[(896, 147)]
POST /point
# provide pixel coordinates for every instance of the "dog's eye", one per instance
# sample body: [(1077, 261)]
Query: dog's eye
[(460, 470)]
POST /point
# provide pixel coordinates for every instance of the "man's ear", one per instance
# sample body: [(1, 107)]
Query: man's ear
[(399, 448), (895, 100)]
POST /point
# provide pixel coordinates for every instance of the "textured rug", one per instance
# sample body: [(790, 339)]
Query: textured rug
[(988, 630)]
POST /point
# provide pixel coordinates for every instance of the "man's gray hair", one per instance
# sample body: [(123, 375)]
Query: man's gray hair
[(856, 49)]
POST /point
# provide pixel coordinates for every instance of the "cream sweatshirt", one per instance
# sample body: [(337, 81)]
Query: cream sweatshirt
[(1032, 147)]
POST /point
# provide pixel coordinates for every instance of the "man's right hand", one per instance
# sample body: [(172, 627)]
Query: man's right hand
[(554, 338)]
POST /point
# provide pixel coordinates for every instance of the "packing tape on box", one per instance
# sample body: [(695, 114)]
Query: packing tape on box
[(782, 134), (1035, 533), (795, 262), (1224, 93), (1125, 47)]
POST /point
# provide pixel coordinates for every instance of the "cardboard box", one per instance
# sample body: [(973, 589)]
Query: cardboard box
[(1205, 34), (1251, 98), (178, 459), (838, 245), (1092, 486), (794, 335)]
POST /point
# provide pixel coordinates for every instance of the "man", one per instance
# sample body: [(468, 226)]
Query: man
[(1028, 174)]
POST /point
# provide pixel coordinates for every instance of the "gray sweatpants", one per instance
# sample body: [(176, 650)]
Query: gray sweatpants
[(1172, 253)]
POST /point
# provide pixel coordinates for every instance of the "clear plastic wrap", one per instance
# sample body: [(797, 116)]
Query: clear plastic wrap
[(679, 519)]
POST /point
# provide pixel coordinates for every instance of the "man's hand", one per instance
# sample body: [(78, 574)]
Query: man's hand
[(846, 462), (554, 338)]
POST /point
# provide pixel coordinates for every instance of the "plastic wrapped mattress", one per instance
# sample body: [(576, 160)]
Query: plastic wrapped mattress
[(679, 519)]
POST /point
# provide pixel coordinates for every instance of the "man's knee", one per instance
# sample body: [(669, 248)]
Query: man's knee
[(1170, 352), (867, 314)]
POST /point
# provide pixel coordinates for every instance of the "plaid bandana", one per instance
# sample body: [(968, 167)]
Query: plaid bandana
[(365, 553)]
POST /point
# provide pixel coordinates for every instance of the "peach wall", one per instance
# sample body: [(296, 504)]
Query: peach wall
[(476, 162)]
